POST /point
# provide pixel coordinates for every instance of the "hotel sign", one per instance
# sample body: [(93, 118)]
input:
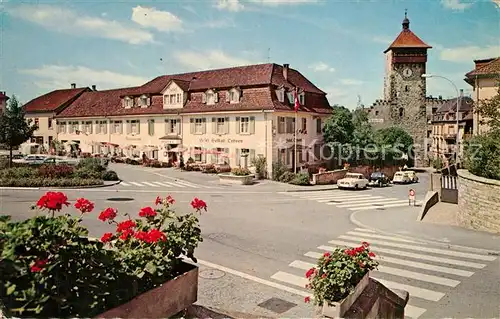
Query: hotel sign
[(290, 140), (220, 140)]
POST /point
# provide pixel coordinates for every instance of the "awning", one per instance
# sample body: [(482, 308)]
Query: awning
[(178, 149), (109, 144)]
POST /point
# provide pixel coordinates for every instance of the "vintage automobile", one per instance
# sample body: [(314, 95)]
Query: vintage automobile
[(353, 181), (413, 176), (401, 178), (378, 179)]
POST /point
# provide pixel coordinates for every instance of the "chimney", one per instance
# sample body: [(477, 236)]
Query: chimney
[(285, 71), (94, 87), (73, 85)]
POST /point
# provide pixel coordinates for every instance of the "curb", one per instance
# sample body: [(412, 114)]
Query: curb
[(85, 187), (198, 311), (310, 190), (437, 242)]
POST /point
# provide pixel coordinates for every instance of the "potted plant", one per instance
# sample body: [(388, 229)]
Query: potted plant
[(339, 278), (49, 267)]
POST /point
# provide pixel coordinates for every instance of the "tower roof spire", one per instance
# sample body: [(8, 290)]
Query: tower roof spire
[(406, 21)]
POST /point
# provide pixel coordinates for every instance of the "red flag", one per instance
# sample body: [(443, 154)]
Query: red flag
[(296, 100)]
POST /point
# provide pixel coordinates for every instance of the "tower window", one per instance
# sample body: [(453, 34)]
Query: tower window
[(401, 112), (406, 88)]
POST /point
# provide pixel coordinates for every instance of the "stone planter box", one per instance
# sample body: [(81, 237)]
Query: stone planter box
[(338, 309), (243, 180), (162, 302)]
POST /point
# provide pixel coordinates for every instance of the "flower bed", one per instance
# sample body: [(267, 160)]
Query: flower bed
[(50, 268)]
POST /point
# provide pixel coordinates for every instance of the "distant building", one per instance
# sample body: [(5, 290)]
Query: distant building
[(444, 127), (405, 103), (3, 100), (485, 80)]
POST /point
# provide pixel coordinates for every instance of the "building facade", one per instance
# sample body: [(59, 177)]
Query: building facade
[(444, 128), (3, 100), (217, 116), (405, 103), (484, 79)]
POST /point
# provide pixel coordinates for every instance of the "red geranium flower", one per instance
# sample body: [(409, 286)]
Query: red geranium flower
[(170, 200), (38, 265), (53, 201), (84, 205), (158, 200), (365, 244), (147, 212), (307, 299), (126, 233), (155, 235), (327, 254), (199, 204), (108, 213), (125, 225), (310, 272), (371, 254), (106, 237), (141, 235)]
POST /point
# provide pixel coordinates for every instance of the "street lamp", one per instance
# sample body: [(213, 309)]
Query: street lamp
[(458, 107)]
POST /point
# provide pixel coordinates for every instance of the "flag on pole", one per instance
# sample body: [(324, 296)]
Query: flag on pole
[(296, 99)]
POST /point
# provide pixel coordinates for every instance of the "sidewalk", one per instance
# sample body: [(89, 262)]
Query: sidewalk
[(403, 221)]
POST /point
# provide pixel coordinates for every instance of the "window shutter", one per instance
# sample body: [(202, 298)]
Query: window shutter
[(204, 98), (251, 157), (238, 157), (91, 127), (280, 127), (105, 128), (97, 127), (252, 125), (178, 127), (214, 125), (129, 127), (204, 121), (120, 127), (228, 93), (226, 125), (238, 125), (191, 126), (216, 97), (138, 127), (149, 101)]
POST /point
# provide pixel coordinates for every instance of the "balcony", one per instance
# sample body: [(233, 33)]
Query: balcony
[(450, 136)]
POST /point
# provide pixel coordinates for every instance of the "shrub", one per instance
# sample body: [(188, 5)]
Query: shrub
[(19, 172), (87, 172), (300, 179), (223, 168), (55, 171), (110, 176), (278, 170), (287, 177), (260, 164), (49, 182), (239, 171), (482, 155), (337, 273), (437, 163), (209, 169), (93, 163), (190, 161), (51, 269)]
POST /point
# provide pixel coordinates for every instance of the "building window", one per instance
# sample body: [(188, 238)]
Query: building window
[(129, 102), (304, 125), (318, 126), (401, 112), (290, 125), (210, 98), (102, 127), (62, 127), (172, 99), (37, 121), (151, 127), (134, 126), (197, 154), (317, 151), (172, 126), (50, 123), (220, 128), (179, 98), (245, 125), (198, 126), (144, 101), (73, 126), (281, 124), (281, 95), (290, 98), (117, 127), (87, 128), (302, 98)]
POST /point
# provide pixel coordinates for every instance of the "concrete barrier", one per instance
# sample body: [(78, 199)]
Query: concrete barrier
[(329, 177), (243, 180), (431, 199)]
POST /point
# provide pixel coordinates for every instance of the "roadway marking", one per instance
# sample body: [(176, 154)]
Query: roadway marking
[(161, 184), (150, 184), (124, 184), (136, 184)]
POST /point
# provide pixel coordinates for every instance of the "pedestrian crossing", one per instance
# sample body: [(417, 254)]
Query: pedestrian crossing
[(163, 184), (426, 271), (351, 200)]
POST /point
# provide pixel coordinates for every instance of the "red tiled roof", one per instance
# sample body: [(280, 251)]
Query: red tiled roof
[(3, 96), (53, 101), (485, 67), (466, 104), (407, 39)]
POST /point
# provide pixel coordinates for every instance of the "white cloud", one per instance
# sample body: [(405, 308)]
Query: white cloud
[(70, 22), (457, 5), (211, 59), (160, 20), (469, 53), (229, 5), (351, 82), (321, 67), (60, 76)]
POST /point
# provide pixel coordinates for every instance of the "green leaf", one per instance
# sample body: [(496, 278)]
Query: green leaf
[(151, 268), (11, 290)]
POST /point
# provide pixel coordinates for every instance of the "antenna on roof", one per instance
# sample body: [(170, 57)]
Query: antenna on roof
[(268, 54), (359, 104)]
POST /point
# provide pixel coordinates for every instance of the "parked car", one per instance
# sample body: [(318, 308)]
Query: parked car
[(32, 159), (378, 179), (60, 160), (413, 176), (401, 178), (353, 181)]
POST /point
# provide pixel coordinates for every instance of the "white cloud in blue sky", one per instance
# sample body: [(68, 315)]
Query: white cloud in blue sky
[(338, 45)]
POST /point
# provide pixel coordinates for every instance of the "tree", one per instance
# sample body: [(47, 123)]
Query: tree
[(339, 127), (490, 111), (394, 139), (363, 131), (14, 128)]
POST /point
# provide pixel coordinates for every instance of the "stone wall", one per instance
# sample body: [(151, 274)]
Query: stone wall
[(330, 177), (478, 202), (368, 170)]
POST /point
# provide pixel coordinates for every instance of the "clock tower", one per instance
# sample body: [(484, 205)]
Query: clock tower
[(404, 86)]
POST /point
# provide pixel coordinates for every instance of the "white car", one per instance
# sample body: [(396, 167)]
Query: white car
[(353, 180), (401, 178)]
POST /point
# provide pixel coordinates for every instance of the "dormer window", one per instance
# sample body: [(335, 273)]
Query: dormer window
[(210, 97), (129, 102), (290, 97), (302, 98), (280, 93), (233, 95), (143, 101)]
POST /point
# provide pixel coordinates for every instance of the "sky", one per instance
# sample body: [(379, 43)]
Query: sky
[(337, 44)]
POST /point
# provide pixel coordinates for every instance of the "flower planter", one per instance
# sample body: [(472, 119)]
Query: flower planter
[(243, 180), (162, 302), (337, 309)]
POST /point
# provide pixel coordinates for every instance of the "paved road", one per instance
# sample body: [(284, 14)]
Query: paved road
[(259, 241)]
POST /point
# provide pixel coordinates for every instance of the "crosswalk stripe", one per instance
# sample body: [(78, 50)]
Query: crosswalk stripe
[(161, 184), (332, 196), (290, 279), (371, 202), (423, 249), (354, 233), (414, 312), (124, 184), (350, 199), (365, 230), (313, 254), (174, 184), (301, 265), (136, 184), (418, 276), (187, 184), (406, 254), (400, 203), (418, 292), (150, 184)]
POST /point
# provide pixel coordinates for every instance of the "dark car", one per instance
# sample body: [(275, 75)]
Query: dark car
[(378, 179)]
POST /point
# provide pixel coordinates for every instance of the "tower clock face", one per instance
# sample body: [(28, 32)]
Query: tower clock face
[(407, 72)]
